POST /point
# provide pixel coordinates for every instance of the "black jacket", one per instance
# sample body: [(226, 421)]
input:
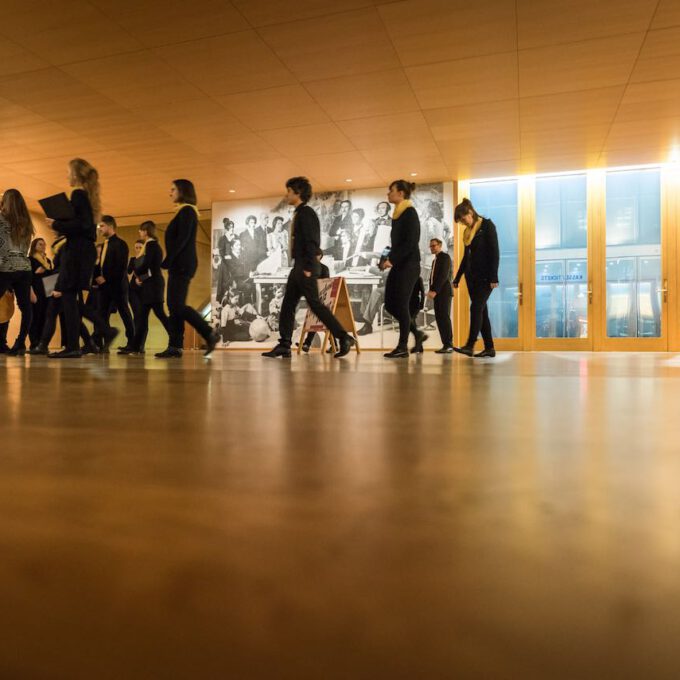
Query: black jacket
[(148, 270), (405, 239), (78, 256), (480, 262), (37, 280), (417, 301), (180, 244), (306, 235), (443, 274), (325, 272), (114, 267)]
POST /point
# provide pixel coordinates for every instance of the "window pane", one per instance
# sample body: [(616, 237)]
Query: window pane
[(634, 254), (498, 202), (561, 257)]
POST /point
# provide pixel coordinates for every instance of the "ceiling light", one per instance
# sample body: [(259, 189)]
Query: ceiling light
[(349, 179), (232, 191), (414, 174)]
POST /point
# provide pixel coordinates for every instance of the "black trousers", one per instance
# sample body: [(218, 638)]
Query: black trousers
[(479, 315), (178, 289), (38, 321), (74, 310), (4, 327), (142, 323), (442, 313), (20, 283), (54, 310), (116, 299), (398, 290), (299, 286)]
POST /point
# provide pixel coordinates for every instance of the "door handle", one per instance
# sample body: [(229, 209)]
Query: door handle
[(664, 290), (590, 293), (520, 293)]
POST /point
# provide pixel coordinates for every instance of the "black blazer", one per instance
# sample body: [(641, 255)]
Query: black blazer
[(148, 270), (180, 244), (405, 239), (443, 273), (325, 272), (78, 256), (37, 280), (306, 235), (480, 262), (114, 267)]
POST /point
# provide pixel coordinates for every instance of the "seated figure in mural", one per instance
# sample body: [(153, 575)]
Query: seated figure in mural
[(236, 318)]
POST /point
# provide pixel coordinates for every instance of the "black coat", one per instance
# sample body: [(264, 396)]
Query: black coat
[(443, 274), (306, 235), (405, 239), (148, 269), (78, 256), (417, 301), (114, 267), (253, 248), (480, 262), (180, 244)]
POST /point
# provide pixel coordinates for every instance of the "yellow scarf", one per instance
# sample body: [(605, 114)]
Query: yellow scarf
[(144, 246), (188, 205), (44, 261), (401, 207), (471, 232)]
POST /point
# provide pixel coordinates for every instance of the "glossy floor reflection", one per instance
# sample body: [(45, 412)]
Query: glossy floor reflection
[(249, 518)]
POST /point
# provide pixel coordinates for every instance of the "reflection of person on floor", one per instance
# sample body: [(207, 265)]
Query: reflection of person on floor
[(325, 274), (236, 318)]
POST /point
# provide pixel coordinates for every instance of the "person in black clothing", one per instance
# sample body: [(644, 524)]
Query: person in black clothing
[(403, 263), (110, 275), (480, 266), (304, 244), (181, 262), (415, 305), (149, 278), (41, 266), (441, 291), (78, 258), (134, 289), (324, 273)]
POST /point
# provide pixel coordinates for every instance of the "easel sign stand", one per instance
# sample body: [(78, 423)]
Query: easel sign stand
[(333, 294)]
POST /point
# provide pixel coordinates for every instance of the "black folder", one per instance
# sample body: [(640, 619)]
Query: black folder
[(57, 207)]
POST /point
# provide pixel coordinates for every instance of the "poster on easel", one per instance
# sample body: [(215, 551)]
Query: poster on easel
[(333, 294)]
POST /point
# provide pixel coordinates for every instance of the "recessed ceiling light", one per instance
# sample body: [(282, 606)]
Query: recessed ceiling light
[(349, 179), (232, 191), (414, 174)]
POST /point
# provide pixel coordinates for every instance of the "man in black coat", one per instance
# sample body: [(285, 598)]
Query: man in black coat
[(305, 235), (254, 244), (110, 277), (441, 291)]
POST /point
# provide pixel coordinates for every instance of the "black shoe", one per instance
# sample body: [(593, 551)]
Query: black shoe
[(366, 329), (38, 349), (279, 351), (211, 343), (111, 336), (490, 352), (446, 349), (346, 344), (306, 346), (127, 350), (65, 354), (90, 348), (397, 353), (467, 351), (169, 353), (17, 351)]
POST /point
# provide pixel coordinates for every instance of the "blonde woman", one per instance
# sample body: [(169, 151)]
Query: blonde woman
[(78, 257), (16, 232)]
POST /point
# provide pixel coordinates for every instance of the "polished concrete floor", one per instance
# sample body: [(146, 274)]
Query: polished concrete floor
[(315, 518)]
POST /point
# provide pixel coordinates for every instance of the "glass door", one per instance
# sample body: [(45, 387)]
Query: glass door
[(562, 282), (634, 314)]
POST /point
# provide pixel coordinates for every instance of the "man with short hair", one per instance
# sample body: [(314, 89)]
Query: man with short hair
[(303, 247), (110, 276), (441, 292)]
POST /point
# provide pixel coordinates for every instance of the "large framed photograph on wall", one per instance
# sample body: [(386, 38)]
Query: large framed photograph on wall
[(250, 260)]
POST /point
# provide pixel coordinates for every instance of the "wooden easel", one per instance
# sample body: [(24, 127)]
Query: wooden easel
[(334, 294)]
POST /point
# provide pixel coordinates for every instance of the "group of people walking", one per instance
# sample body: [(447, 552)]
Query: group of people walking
[(404, 285), (79, 266), (49, 289)]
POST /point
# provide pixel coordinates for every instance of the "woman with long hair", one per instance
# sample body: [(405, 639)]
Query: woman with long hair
[(16, 232), (79, 256), (403, 263), (480, 267), (181, 262), (41, 266)]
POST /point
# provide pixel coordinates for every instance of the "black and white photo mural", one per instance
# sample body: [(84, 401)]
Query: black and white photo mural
[(250, 261)]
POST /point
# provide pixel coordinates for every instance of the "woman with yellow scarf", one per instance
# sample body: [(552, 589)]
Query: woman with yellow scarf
[(480, 266), (41, 266)]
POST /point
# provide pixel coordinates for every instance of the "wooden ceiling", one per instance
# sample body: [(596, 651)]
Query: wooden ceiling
[(240, 95)]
